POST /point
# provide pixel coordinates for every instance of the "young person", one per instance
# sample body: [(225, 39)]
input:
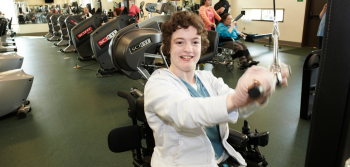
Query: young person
[(187, 109)]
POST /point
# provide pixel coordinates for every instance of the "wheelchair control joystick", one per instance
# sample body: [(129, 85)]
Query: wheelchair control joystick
[(255, 139)]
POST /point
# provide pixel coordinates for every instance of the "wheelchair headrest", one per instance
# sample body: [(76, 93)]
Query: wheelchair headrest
[(212, 50), (128, 48)]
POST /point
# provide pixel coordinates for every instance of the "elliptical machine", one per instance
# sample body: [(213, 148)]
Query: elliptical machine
[(81, 33), (71, 21), (12, 33), (55, 28), (102, 36), (3, 24), (3, 32), (64, 32), (48, 18)]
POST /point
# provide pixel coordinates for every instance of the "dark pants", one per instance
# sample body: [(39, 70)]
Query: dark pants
[(320, 42), (240, 49), (230, 162)]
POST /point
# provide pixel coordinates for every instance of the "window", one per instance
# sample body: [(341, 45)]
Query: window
[(8, 8), (266, 14)]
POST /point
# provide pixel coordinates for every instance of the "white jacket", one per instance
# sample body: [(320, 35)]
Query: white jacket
[(178, 120)]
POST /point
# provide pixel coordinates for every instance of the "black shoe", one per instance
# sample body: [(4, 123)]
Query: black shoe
[(244, 65), (251, 63)]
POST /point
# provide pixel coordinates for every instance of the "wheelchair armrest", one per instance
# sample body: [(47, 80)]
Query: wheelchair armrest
[(124, 139), (237, 138), (212, 50), (227, 39)]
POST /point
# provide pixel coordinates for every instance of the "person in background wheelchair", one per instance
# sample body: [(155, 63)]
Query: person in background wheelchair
[(226, 29), (189, 110)]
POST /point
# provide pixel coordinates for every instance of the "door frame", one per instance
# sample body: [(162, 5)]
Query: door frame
[(306, 22)]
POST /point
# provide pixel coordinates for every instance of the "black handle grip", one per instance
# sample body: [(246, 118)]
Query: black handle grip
[(256, 90)]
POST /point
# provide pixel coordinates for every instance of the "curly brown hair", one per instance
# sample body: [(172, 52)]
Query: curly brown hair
[(183, 19), (117, 11)]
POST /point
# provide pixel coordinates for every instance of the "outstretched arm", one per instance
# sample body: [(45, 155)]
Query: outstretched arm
[(323, 11)]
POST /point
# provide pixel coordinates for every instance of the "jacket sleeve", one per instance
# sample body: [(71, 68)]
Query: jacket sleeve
[(217, 17), (235, 31), (223, 31), (203, 15), (243, 112), (166, 100)]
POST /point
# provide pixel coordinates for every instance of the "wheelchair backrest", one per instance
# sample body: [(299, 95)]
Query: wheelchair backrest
[(212, 50)]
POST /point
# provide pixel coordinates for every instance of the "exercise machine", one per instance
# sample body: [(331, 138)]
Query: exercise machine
[(276, 65), (12, 33), (10, 61), (64, 31), (15, 86), (55, 28), (71, 21), (102, 36), (48, 18), (2, 27), (81, 33), (308, 88), (3, 32), (151, 25)]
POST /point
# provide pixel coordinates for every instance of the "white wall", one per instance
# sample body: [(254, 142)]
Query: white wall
[(290, 30), (32, 28)]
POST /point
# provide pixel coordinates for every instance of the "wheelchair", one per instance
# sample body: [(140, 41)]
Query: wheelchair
[(225, 56), (133, 51)]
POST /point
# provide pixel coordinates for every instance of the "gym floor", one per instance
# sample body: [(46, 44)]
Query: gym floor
[(73, 110)]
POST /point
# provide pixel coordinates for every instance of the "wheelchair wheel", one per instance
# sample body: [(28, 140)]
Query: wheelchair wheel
[(215, 63), (229, 66)]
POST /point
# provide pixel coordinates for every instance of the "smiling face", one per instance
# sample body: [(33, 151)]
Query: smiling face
[(185, 50)]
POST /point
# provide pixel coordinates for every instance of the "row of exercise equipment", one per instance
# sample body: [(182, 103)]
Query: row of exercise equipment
[(15, 84), (38, 14)]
